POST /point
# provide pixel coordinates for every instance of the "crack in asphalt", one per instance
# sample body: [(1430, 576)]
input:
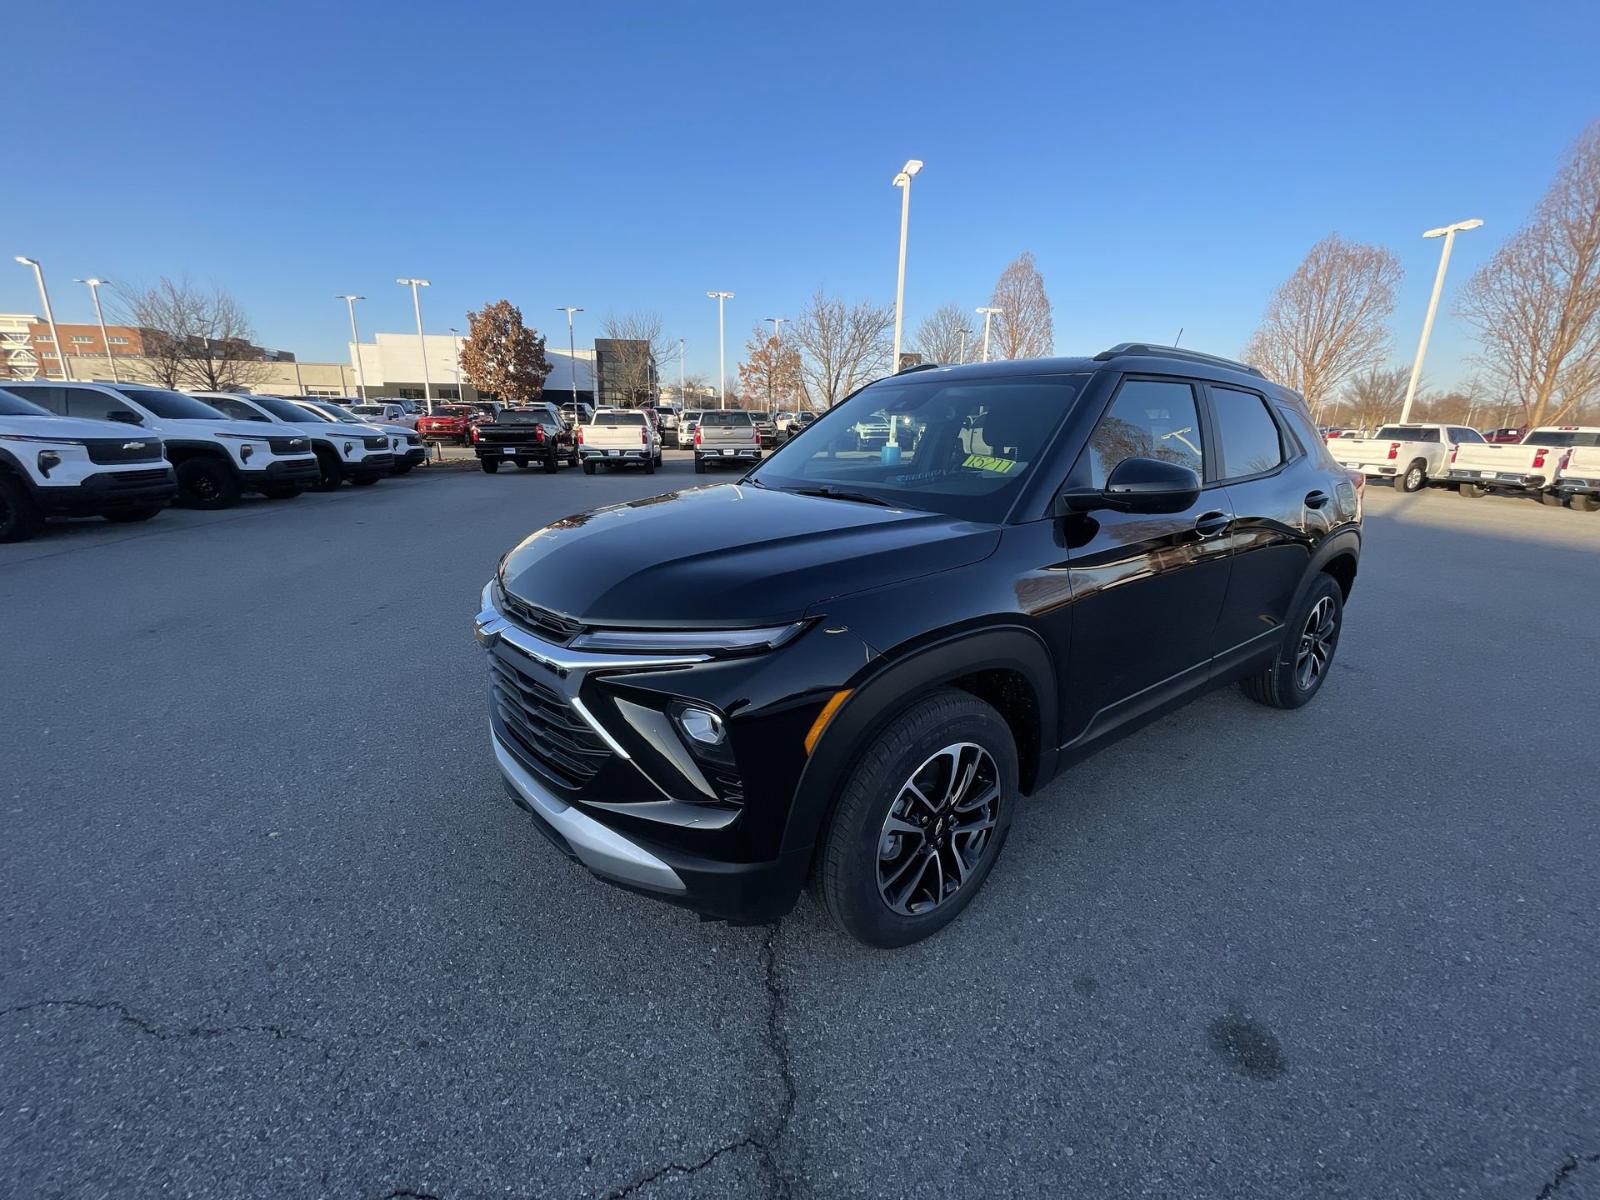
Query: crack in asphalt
[(128, 1016), (767, 1144), (1564, 1172)]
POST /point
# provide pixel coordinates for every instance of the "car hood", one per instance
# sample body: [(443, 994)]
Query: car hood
[(255, 429), (73, 428), (730, 555)]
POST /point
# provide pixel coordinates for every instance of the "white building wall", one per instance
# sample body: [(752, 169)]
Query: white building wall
[(392, 359)]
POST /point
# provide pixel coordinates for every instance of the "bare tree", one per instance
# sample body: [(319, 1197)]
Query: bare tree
[(770, 373), (1373, 397), (502, 357), (193, 337), (1536, 303), (1327, 321), (841, 347), (1024, 327), (644, 345), (947, 335)]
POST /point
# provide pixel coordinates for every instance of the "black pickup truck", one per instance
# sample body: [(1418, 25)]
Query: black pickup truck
[(524, 436)]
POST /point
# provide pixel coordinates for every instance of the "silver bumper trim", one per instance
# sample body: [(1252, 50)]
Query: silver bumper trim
[(602, 850)]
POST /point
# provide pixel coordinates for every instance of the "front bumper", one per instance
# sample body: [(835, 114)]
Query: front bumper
[(108, 491), (414, 456), (380, 463), (281, 472)]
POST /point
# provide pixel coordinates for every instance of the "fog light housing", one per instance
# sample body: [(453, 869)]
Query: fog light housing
[(701, 725), (49, 460), (245, 451)]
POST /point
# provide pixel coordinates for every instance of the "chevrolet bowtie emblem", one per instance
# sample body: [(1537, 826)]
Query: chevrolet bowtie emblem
[(133, 445)]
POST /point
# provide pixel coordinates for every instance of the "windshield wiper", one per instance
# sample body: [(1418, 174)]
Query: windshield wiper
[(833, 493)]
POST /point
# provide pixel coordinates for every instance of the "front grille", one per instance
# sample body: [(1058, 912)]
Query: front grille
[(551, 626), (291, 445), (375, 443), (119, 450), (544, 727), (137, 478)]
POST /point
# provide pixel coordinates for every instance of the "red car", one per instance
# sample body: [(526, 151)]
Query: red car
[(448, 423), (1505, 436)]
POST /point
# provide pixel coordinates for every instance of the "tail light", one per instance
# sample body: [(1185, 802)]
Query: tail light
[(1538, 456), (578, 429), (1566, 461), (1454, 450), (757, 431), (1394, 449), (644, 437), (697, 435), (538, 433)]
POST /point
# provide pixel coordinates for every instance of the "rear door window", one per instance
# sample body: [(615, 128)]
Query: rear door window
[(1248, 437)]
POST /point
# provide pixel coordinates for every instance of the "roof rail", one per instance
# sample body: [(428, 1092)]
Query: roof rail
[(1155, 351)]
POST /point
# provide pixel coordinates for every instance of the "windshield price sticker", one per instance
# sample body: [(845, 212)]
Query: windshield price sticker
[(985, 462)]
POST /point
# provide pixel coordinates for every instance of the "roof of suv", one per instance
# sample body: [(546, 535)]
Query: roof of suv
[(1125, 356)]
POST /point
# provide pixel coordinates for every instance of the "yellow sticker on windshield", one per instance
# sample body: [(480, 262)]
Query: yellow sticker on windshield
[(985, 462)]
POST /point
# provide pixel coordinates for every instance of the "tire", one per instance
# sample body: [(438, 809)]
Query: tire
[(1584, 503), (207, 483), (699, 465), (403, 468), (1472, 491), (658, 458), (489, 465), (332, 472), (552, 464), (650, 466), (588, 468), (19, 516), (941, 738), (364, 480), (575, 460), (132, 516), (1311, 638), (286, 492), (1413, 479), (1551, 499)]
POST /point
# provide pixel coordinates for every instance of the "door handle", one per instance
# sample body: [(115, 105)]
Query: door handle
[(1212, 524), (1316, 499)]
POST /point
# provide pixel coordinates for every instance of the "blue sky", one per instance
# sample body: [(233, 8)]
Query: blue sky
[(1167, 164)]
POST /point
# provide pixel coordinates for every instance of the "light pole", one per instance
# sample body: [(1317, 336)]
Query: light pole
[(683, 402), (455, 342), (355, 341), (572, 354), (987, 313), (722, 361), (100, 316), (777, 336), (1448, 232), (49, 316), (903, 182), (422, 344)]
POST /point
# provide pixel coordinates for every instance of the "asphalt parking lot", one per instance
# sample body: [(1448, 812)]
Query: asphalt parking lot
[(272, 929)]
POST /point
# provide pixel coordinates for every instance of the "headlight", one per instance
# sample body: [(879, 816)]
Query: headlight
[(705, 641)]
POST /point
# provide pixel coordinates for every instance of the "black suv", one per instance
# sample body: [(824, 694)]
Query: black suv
[(851, 664)]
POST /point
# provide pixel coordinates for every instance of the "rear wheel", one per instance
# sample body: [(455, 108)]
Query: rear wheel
[(699, 465), (650, 466), (1413, 478), (1311, 637), (1550, 499), (920, 821), (489, 465), (588, 468), (1585, 503), (552, 464), (19, 517), (1472, 491), (207, 483), (131, 516)]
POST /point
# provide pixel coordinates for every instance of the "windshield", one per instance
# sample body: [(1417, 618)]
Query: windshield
[(287, 410), (527, 416), (716, 417), (955, 446), (174, 406), (15, 406), (1562, 437)]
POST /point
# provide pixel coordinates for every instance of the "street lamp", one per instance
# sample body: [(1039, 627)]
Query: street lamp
[(903, 182), (455, 342), (572, 355), (416, 305), (1448, 232), (49, 316), (100, 316), (683, 402), (777, 336), (355, 341), (722, 360), (987, 313)]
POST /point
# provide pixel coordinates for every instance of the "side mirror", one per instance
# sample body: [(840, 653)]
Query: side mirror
[(1136, 485), (123, 417)]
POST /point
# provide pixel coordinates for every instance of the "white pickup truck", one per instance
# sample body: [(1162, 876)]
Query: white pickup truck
[(619, 437), (1412, 455), (1578, 470), (1531, 466)]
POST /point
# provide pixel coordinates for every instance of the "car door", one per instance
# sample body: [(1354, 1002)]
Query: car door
[(1146, 589), (1280, 497)]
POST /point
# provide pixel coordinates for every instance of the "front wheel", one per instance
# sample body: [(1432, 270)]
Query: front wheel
[(1415, 476), (19, 516), (1311, 636), (363, 480), (920, 821), (330, 472), (282, 492), (207, 483)]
